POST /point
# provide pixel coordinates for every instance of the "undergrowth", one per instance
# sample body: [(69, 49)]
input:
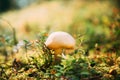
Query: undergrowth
[(39, 66)]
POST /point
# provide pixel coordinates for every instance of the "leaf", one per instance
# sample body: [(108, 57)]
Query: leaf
[(85, 74), (58, 74)]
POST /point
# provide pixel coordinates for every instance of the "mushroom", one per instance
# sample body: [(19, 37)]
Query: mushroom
[(59, 41)]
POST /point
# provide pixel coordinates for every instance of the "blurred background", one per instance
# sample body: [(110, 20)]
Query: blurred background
[(96, 21)]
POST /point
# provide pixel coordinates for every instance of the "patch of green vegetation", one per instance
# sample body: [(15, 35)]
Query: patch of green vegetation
[(72, 67)]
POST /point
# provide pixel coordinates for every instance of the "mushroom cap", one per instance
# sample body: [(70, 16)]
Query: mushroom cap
[(60, 40)]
